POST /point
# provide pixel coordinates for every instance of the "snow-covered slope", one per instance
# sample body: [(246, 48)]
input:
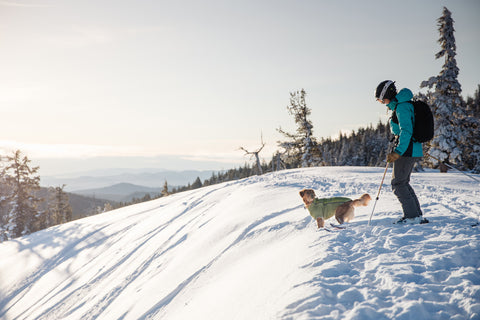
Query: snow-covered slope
[(249, 250)]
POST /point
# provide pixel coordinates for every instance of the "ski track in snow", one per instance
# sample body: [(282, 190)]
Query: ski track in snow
[(248, 249)]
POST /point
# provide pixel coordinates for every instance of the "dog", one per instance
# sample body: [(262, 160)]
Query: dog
[(323, 209)]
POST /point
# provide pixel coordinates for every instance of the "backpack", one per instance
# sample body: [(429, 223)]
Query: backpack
[(423, 130)]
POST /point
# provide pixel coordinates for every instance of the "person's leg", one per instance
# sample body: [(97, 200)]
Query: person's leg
[(402, 169)]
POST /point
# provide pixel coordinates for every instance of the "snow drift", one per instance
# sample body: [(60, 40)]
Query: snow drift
[(249, 250)]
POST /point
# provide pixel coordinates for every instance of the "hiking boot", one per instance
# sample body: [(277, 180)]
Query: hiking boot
[(416, 220)]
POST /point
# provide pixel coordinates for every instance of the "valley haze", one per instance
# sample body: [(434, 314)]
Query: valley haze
[(151, 178)]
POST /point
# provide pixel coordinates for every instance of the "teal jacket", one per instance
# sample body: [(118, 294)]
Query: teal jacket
[(404, 129), (325, 207)]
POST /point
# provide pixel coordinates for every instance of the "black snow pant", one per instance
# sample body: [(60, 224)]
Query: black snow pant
[(402, 169)]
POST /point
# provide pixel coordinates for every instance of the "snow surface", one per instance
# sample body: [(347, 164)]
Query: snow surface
[(249, 250)]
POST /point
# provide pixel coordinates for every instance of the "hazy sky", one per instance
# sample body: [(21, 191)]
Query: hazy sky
[(195, 80)]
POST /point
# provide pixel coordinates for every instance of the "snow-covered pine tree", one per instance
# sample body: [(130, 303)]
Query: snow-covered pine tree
[(473, 104), (471, 141), (108, 207), (446, 100), (301, 146), (471, 144), (4, 191), (364, 147), (22, 217), (59, 209), (344, 158), (326, 149), (377, 145)]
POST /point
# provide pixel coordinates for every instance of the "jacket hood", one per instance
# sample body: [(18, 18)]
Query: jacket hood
[(403, 96)]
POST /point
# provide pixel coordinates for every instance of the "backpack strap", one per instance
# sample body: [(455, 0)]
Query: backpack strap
[(394, 117)]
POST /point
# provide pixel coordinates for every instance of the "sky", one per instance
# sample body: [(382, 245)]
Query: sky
[(184, 84)]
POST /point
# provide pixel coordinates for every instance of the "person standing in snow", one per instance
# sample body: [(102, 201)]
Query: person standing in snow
[(405, 151)]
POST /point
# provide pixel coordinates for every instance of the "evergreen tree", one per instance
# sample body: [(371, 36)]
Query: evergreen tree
[(196, 184), (328, 153), (344, 155), (473, 104), (364, 147), (4, 191), (59, 209), (108, 207), (446, 99), (22, 217), (471, 144), (471, 126), (277, 163), (165, 189), (301, 146)]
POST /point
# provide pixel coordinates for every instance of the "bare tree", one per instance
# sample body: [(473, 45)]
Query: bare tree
[(255, 154)]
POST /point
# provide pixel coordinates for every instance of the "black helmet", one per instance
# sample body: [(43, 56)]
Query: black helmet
[(386, 90)]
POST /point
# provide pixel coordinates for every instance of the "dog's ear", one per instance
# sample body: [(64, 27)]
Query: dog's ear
[(302, 193)]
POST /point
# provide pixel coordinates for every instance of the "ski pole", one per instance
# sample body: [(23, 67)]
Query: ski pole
[(451, 167), (378, 194)]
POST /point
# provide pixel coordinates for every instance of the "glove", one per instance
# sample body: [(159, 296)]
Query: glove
[(392, 157)]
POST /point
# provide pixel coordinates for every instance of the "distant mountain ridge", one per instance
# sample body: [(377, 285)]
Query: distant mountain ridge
[(149, 179), (120, 192)]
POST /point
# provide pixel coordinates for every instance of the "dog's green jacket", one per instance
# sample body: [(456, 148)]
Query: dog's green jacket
[(325, 207)]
